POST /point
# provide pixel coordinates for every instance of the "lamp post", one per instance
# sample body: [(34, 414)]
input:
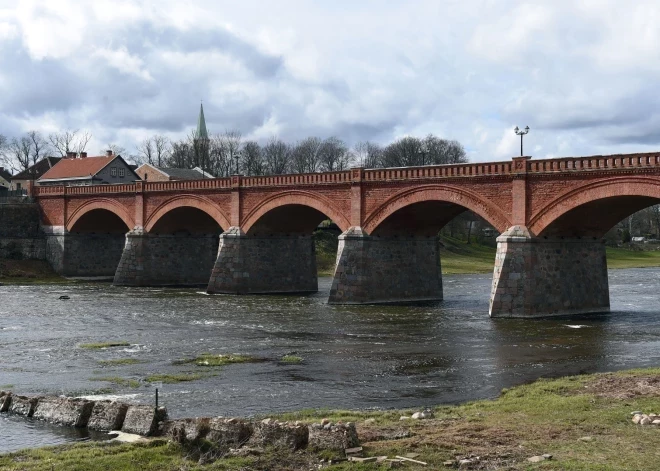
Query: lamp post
[(521, 133), (422, 153)]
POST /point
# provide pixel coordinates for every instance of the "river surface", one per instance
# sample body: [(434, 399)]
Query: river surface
[(355, 357)]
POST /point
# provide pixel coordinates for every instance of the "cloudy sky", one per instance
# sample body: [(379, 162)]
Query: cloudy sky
[(583, 74)]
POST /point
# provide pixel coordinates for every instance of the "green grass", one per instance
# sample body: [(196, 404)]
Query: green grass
[(457, 257), (99, 345), (291, 359), (119, 361), (131, 383), (6, 386), (173, 378), (547, 416), (625, 258), (209, 359)]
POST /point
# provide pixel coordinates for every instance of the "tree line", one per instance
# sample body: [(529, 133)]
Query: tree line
[(20, 153), (228, 153)]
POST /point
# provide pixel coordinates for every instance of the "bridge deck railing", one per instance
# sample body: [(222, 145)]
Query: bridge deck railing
[(566, 164), (595, 162)]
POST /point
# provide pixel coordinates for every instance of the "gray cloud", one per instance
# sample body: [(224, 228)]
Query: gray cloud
[(584, 82)]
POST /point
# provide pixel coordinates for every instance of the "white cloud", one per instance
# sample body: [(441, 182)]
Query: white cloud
[(123, 61)]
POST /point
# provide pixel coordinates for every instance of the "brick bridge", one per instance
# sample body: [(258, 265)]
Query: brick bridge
[(253, 234)]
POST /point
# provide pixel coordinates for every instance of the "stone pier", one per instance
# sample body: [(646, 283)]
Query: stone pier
[(166, 259), (255, 264), (373, 270), (537, 277), (83, 254)]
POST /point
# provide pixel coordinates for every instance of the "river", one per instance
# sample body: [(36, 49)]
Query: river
[(354, 357)]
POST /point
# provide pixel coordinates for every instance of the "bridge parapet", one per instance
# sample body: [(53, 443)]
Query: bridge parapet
[(298, 179), (438, 171), (594, 162)]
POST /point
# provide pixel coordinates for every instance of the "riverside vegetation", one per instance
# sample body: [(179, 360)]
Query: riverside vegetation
[(583, 422)]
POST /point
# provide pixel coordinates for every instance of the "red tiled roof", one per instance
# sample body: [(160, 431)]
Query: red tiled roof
[(75, 168)]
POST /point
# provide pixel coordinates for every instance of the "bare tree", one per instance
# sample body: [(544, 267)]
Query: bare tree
[(232, 140), (4, 159), (456, 153), (19, 152), (81, 141), (162, 147), (180, 155), (368, 154), (404, 152), (306, 155), (39, 146), (276, 154), (252, 160), (115, 148), (334, 155), (154, 150), (146, 151), (220, 163), (70, 141)]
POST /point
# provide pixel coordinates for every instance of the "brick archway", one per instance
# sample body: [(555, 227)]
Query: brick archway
[(451, 194), (100, 203), (626, 186), (296, 197), (192, 201)]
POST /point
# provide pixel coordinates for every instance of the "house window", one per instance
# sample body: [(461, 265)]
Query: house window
[(113, 171), (122, 172)]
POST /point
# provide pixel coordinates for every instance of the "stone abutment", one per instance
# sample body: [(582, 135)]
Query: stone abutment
[(84, 255), (373, 270), (166, 259), (538, 277), (276, 264)]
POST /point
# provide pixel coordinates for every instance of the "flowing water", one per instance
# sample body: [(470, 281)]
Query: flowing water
[(355, 357)]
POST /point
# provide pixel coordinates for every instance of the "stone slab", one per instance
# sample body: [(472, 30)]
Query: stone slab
[(107, 415), (338, 437), (186, 430), (229, 432), (5, 402), (271, 433), (22, 405), (71, 412), (143, 420)]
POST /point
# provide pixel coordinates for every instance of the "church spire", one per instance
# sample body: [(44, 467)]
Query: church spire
[(201, 125)]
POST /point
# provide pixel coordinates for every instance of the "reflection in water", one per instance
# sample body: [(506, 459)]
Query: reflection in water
[(354, 356)]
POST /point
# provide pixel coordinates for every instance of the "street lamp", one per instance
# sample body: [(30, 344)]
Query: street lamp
[(422, 153), (521, 133)]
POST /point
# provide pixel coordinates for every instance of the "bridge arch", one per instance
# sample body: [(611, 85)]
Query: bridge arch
[(456, 200), (188, 201), (97, 204), (295, 198), (594, 208)]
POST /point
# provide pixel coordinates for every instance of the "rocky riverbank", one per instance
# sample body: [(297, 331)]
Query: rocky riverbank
[(573, 423)]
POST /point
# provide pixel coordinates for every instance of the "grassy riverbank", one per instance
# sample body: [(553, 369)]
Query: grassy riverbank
[(28, 271), (584, 422), (458, 257)]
